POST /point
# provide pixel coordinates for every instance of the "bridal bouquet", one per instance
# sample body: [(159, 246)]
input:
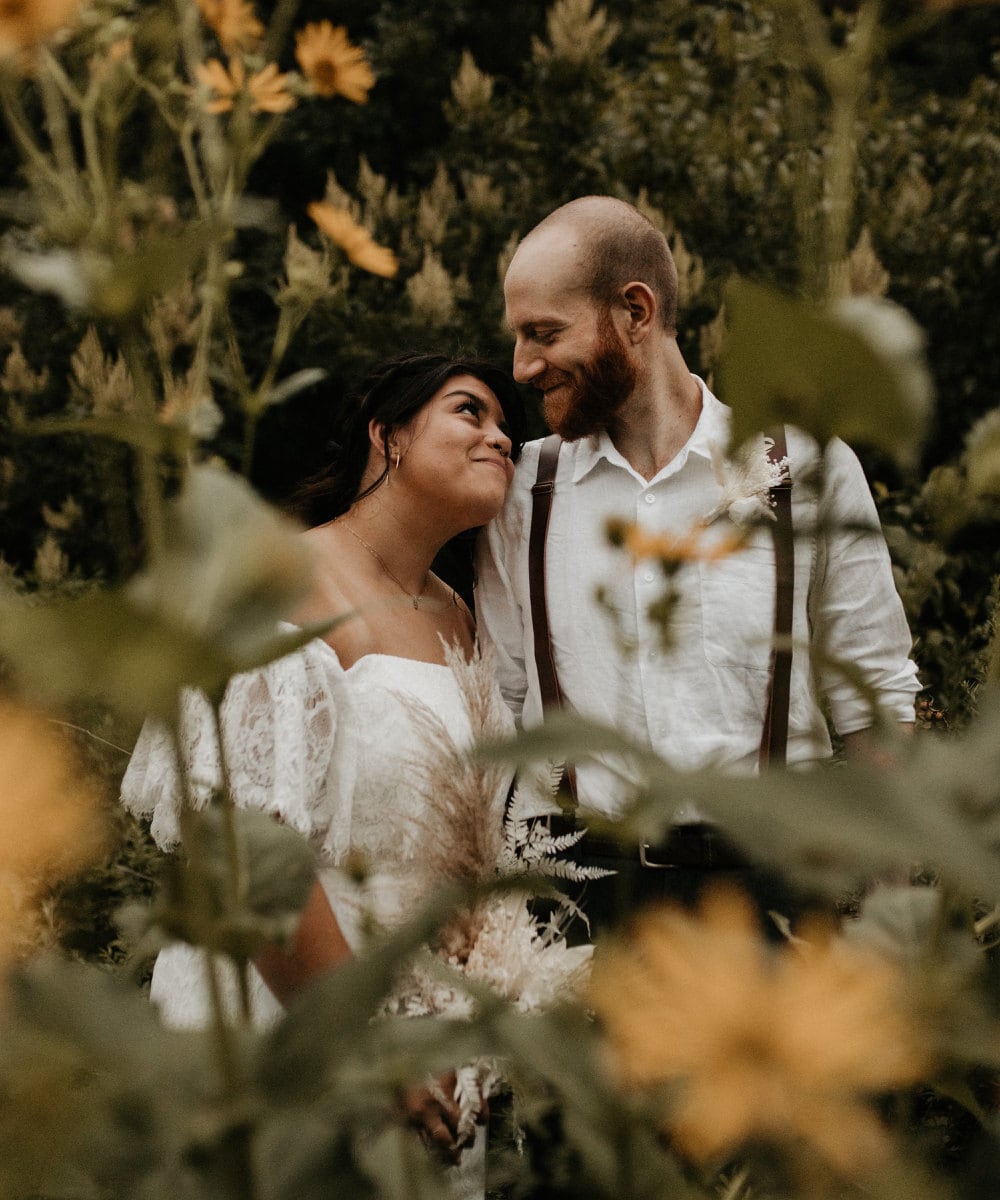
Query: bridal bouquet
[(471, 831)]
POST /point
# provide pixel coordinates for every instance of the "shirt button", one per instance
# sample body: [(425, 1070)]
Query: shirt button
[(648, 576), (649, 498)]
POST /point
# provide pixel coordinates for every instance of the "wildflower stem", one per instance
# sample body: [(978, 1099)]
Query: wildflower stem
[(256, 402), (54, 70), (277, 31), (236, 875), (186, 141), (151, 498), (57, 123), (20, 129), (92, 152)]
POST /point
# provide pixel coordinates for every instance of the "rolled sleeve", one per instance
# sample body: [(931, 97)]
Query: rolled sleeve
[(860, 626)]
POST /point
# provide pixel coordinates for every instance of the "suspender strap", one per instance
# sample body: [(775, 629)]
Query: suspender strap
[(541, 504), (774, 737)]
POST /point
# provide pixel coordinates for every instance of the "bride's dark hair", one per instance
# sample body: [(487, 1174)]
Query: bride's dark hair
[(392, 395)]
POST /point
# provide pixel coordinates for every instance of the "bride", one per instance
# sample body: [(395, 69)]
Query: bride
[(326, 738)]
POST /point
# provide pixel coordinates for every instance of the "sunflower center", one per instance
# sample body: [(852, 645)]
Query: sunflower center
[(325, 75)]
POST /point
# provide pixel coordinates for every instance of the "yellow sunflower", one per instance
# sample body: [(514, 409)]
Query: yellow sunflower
[(25, 23), (331, 64), (356, 242), (267, 88), (51, 819), (233, 22), (692, 546), (783, 1044)]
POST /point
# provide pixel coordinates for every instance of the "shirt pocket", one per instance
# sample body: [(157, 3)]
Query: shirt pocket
[(737, 609)]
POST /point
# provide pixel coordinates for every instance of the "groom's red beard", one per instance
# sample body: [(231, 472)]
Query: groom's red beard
[(588, 402)]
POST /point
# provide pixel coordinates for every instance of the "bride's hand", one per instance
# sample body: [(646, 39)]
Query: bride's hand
[(434, 1113)]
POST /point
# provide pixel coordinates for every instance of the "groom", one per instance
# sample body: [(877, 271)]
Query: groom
[(591, 297)]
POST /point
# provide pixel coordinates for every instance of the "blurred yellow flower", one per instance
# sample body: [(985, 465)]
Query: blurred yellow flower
[(25, 23), (267, 88), (359, 245), (760, 1042), (233, 22), (692, 546), (331, 64), (50, 817)]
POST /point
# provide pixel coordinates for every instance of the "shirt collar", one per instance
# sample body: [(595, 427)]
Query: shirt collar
[(711, 430)]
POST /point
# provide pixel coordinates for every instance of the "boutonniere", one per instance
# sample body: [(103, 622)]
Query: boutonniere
[(746, 480)]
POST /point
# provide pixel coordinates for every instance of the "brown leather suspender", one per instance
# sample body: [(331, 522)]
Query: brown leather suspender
[(774, 737), (541, 503)]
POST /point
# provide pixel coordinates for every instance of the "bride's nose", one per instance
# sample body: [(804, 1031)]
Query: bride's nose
[(500, 441)]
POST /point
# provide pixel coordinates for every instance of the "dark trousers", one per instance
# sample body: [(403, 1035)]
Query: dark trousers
[(692, 859)]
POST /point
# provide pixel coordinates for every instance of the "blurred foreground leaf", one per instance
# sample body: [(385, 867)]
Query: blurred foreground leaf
[(277, 868), (207, 609), (830, 827), (854, 372)]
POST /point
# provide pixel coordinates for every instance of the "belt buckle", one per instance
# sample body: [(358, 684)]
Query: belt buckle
[(647, 862)]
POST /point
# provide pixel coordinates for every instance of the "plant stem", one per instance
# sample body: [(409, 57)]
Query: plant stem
[(277, 32), (92, 155), (57, 123), (21, 131), (151, 499)]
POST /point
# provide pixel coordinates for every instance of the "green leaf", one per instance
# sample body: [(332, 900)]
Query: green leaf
[(277, 869), (209, 607), (829, 827), (125, 284), (156, 437), (401, 1168), (293, 384), (566, 737), (855, 372), (232, 566), (104, 647)]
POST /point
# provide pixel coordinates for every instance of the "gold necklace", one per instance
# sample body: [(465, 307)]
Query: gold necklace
[(382, 563)]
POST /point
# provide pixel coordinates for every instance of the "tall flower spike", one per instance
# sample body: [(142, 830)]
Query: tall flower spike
[(332, 64)]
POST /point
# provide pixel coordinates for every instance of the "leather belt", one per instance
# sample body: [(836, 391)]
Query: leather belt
[(696, 846)]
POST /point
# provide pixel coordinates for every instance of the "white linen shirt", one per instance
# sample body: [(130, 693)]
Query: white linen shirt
[(701, 700)]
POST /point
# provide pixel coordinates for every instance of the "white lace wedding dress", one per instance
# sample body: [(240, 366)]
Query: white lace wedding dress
[(335, 754)]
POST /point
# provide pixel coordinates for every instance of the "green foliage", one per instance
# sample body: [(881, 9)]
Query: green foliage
[(203, 310), (827, 373)]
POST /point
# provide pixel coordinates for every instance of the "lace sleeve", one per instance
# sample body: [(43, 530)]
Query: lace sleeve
[(287, 735)]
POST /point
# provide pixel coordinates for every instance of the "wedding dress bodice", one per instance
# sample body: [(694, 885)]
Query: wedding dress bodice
[(338, 755)]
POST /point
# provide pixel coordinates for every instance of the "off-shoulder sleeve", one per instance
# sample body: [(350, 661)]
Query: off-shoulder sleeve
[(289, 748)]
